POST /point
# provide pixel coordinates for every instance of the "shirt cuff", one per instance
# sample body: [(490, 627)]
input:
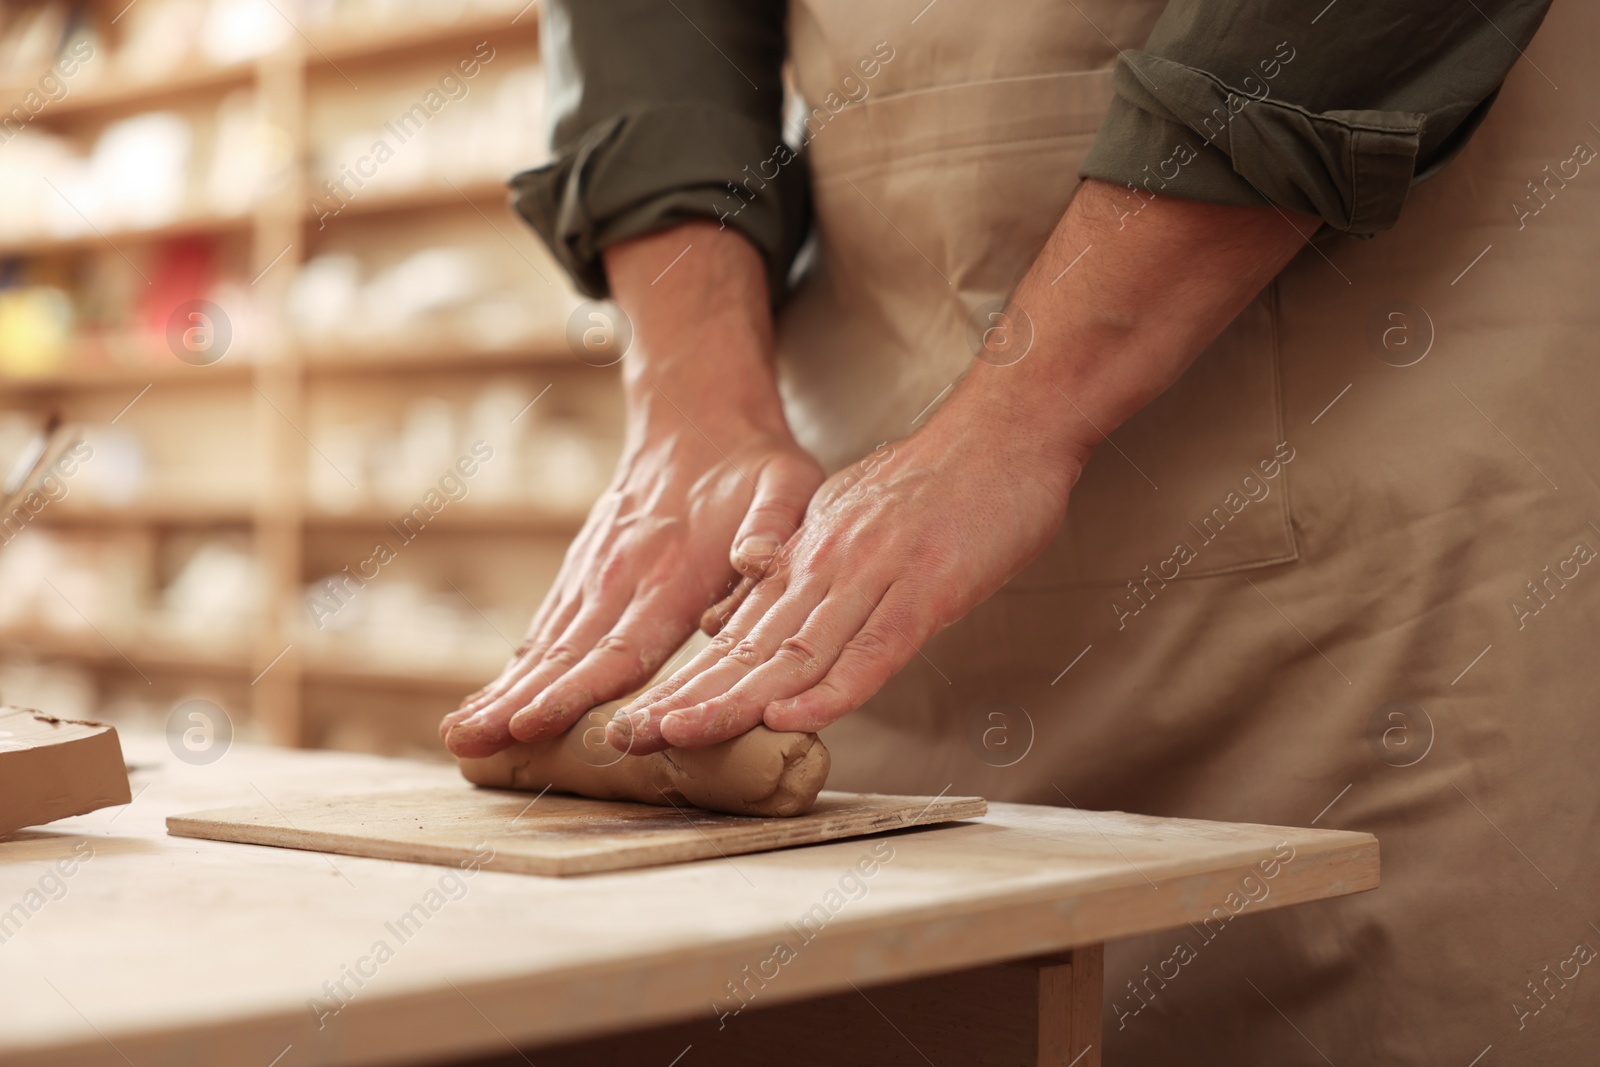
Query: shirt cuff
[(631, 176), (1178, 130)]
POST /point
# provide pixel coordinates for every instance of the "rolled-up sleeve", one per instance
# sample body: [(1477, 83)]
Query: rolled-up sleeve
[(662, 111), (1334, 114)]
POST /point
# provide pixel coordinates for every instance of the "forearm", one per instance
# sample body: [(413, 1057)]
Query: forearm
[(696, 297), (710, 481), (1120, 301), (878, 568)]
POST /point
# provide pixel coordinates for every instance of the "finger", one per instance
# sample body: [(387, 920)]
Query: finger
[(717, 616), (752, 652), (555, 615), (887, 642), (559, 606), (707, 723), (468, 731), (519, 661), (636, 732), (798, 663), (783, 488), (639, 734), (525, 654), (477, 737), (490, 725), (635, 726), (563, 650), (448, 722), (653, 627)]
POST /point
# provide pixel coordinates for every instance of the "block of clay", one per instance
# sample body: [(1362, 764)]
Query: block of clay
[(759, 773), (51, 768)]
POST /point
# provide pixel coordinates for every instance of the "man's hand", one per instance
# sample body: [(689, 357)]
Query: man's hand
[(887, 559), (708, 466)]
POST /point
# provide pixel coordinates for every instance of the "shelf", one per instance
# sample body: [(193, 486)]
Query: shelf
[(421, 196), (119, 94), (84, 375), (512, 518), (328, 668), (115, 93), (87, 376), (145, 654), (436, 356), (346, 44), (119, 651), (195, 225), (174, 512)]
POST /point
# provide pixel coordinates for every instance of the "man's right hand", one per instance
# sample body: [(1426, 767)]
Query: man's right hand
[(710, 479)]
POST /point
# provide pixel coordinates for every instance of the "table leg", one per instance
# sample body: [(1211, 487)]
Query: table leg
[(1071, 998), (1039, 1012)]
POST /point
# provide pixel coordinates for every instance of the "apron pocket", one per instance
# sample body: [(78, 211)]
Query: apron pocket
[(1195, 484)]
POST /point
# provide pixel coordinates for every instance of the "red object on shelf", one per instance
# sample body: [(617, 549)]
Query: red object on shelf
[(185, 270)]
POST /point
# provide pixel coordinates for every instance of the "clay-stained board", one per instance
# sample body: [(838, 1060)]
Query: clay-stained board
[(552, 834)]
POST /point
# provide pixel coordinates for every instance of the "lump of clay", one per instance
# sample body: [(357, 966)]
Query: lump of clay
[(51, 768), (759, 773)]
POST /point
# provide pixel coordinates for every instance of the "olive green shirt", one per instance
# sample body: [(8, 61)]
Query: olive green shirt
[(1230, 101)]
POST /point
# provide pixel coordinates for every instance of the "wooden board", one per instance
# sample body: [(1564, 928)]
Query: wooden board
[(551, 834), (51, 768)]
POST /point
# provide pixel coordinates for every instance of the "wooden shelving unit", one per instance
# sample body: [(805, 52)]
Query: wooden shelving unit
[(124, 94), (125, 651), (88, 373), (430, 357), (372, 203), (281, 379), (184, 227)]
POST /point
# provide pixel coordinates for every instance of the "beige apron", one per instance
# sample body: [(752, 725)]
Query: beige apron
[(1392, 631)]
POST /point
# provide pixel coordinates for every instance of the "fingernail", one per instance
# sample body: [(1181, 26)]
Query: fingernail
[(630, 722), (757, 549)]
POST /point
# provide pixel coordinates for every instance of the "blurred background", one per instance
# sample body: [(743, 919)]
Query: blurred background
[(257, 255)]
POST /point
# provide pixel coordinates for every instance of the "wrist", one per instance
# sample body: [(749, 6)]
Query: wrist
[(736, 397), (1082, 375), (702, 332), (1034, 416)]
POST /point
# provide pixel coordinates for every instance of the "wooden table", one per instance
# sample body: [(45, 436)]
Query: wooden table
[(975, 943)]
